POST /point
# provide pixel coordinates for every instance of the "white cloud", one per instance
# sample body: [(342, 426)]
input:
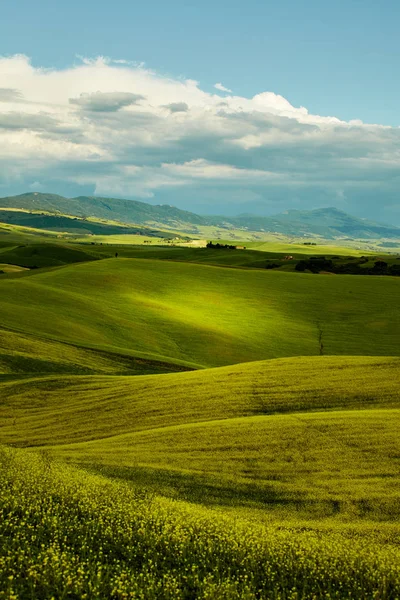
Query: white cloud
[(222, 88), (177, 107), (106, 101), (203, 169), (125, 130)]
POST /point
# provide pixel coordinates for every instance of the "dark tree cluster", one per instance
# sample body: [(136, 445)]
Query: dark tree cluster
[(316, 264), (221, 246)]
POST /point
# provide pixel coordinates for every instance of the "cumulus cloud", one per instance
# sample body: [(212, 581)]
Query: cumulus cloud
[(31, 122), (10, 95), (222, 88), (106, 101), (118, 128), (177, 107)]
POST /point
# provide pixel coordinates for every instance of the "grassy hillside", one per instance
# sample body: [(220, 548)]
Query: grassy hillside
[(326, 222), (29, 251), (317, 436), (22, 354), (65, 223), (258, 479), (126, 211), (44, 255), (67, 534), (255, 255), (202, 315), (88, 408)]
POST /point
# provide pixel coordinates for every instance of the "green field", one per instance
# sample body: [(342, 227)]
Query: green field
[(182, 423), (277, 479), (69, 534), (202, 315), (251, 430)]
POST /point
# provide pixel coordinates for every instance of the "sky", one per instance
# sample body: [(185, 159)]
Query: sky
[(216, 107)]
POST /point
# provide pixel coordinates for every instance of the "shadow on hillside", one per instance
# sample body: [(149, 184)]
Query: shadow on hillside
[(212, 491)]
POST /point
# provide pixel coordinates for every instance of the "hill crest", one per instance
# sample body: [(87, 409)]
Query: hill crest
[(329, 223)]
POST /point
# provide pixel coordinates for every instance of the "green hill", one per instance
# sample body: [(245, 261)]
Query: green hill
[(37, 255), (203, 315), (266, 466), (68, 534), (23, 355), (263, 433), (64, 223), (325, 222), (126, 211)]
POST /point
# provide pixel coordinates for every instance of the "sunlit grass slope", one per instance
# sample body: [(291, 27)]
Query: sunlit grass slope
[(221, 257), (301, 248), (318, 436), (58, 410), (67, 534), (341, 463), (22, 354), (254, 256), (202, 315), (44, 255)]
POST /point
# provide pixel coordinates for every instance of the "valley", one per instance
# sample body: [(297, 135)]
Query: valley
[(185, 422)]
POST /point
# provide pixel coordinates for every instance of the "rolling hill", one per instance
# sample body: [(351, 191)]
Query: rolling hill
[(200, 315), (68, 533), (176, 430), (285, 432), (298, 459), (126, 211), (328, 223), (76, 225)]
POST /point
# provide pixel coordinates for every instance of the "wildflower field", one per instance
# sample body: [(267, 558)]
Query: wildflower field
[(66, 533), (183, 431), (200, 315)]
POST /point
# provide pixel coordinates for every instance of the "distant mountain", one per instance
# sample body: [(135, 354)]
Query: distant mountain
[(329, 223), (126, 211)]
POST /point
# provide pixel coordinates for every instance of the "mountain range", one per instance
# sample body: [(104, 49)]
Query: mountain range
[(329, 223)]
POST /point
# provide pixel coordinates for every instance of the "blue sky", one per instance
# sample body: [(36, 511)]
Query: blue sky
[(337, 59)]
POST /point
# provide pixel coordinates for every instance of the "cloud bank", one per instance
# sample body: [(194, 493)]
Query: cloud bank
[(118, 129)]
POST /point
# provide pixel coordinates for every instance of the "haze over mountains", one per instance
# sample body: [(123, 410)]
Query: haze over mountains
[(329, 222)]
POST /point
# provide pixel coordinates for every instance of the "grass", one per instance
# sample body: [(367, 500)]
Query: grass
[(28, 247), (124, 239), (297, 248), (9, 268), (65, 225), (44, 255), (88, 408), (291, 434), (245, 478), (67, 534), (23, 354), (202, 315)]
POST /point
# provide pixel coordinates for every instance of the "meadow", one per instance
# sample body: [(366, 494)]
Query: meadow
[(69, 534), (184, 423), (310, 436), (203, 316)]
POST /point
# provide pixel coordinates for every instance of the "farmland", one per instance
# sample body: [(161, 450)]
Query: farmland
[(180, 422)]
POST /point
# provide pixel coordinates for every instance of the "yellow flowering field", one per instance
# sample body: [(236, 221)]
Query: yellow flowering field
[(68, 534)]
